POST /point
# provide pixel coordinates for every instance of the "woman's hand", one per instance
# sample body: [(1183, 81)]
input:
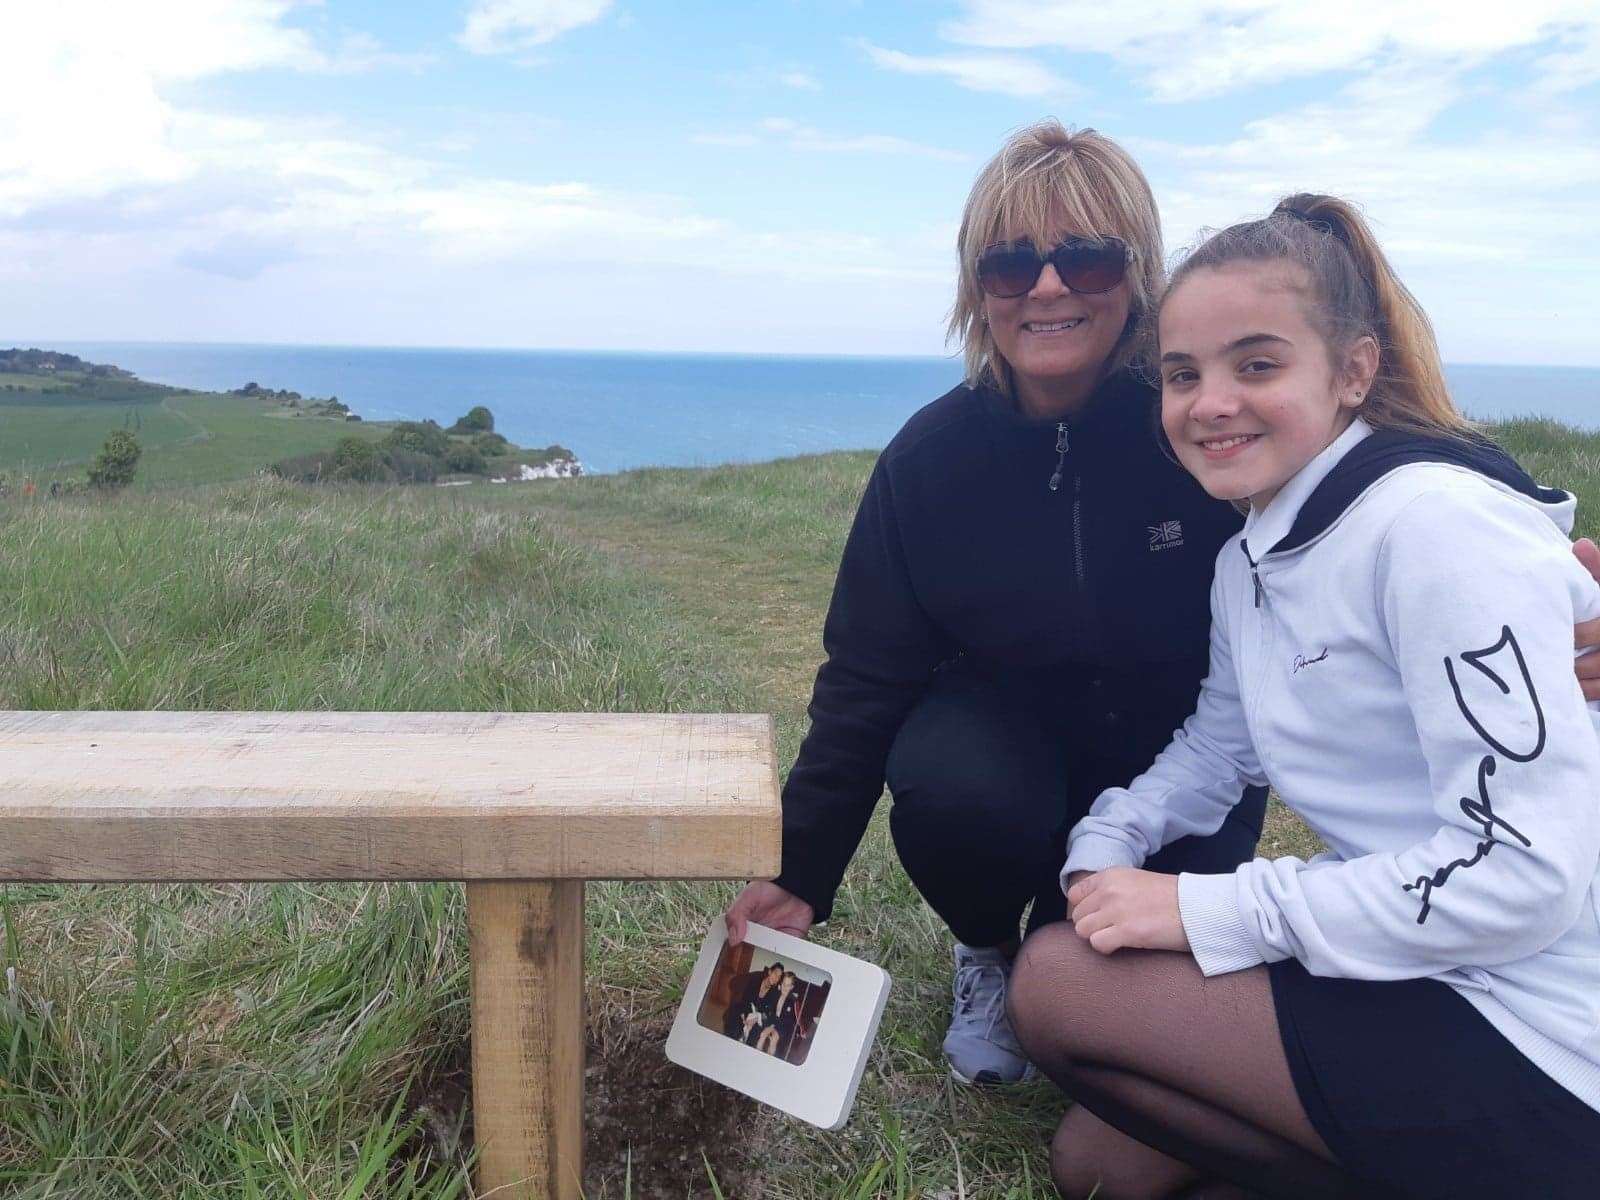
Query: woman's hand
[(1123, 907), (767, 904), (1587, 633)]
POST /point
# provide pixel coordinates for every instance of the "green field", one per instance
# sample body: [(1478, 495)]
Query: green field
[(45, 441), (52, 426), (289, 1040)]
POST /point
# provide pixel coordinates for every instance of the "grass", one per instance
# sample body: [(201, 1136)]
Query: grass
[(39, 440), (186, 437), (291, 1040), (174, 1040), (240, 436)]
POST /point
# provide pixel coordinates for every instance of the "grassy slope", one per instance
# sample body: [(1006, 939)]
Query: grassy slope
[(186, 437), (241, 437), (40, 429), (253, 1039)]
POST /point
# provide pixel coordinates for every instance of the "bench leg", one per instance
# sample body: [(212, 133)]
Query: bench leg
[(526, 940)]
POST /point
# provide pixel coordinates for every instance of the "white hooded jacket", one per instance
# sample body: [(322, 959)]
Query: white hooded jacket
[(1399, 666)]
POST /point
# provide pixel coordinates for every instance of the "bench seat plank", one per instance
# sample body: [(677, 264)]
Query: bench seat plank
[(193, 796)]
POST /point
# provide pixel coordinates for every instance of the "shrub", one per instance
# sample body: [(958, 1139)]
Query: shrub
[(305, 468), (466, 459), (411, 467), (489, 444), (419, 437), (478, 420), (357, 460), (113, 467)]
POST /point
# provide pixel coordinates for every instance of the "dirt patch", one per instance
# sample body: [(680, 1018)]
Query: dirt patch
[(640, 1108), (646, 1121)]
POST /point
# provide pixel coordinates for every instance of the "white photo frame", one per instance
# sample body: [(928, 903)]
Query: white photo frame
[(817, 1054)]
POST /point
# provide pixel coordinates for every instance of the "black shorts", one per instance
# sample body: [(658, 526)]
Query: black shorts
[(1415, 1091)]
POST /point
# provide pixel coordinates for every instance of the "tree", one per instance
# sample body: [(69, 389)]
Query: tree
[(492, 443), (357, 459), (113, 467), (420, 437), (478, 420), (466, 459)]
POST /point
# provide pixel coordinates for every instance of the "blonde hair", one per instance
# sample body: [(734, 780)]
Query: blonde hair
[(1043, 174), (1352, 293)]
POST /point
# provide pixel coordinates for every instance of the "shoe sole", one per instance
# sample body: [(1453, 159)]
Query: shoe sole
[(988, 1079)]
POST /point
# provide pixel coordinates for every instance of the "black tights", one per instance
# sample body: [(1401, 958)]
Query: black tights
[(1181, 1080)]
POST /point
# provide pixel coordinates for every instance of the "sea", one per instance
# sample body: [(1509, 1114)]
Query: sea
[(621, 411)]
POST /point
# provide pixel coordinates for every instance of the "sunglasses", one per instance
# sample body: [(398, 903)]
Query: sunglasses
[(1087, 265)]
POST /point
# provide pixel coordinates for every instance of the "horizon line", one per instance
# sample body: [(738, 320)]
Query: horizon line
[(45, 344)]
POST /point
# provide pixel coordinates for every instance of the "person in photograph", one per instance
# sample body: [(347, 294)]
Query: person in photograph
[(754, 994), (1020, 617), (780, 1030), (1413, 1012)]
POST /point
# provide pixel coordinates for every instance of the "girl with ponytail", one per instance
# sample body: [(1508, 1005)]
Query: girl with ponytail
[(1415, 1012)]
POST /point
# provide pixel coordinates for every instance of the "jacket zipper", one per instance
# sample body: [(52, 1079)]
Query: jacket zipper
[(1255, 572), (1077, 533), (1079, 574), (1077, 503)]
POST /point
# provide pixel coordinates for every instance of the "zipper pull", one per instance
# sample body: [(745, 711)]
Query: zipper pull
[(1061, 454), (1255, 575)]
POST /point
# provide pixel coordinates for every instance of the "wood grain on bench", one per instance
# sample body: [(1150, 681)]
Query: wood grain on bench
[(170, 796)]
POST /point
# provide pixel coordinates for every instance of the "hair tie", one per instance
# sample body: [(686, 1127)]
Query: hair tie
[(1320, 223)]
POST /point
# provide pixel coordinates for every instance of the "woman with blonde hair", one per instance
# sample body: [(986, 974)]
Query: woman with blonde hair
[(1019, 619)]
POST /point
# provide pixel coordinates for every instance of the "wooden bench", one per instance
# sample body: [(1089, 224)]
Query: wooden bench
[(522, 806)]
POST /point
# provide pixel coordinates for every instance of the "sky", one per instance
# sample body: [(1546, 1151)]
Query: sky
[(775, 177)]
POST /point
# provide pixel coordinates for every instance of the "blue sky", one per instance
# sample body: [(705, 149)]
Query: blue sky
[(777, 177)]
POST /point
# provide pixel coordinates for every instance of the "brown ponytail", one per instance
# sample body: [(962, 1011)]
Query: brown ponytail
[(1353, 293)]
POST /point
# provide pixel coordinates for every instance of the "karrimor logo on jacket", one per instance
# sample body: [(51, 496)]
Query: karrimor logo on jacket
[(1166, 536)]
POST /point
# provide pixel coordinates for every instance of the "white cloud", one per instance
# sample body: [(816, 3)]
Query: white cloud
[(1519, 199), (797, 135), (511, 26), (81, 105), (1574, 65), (799, 80), (1009, 74), (1372, 141), (245, 227), (1187, 51), (360, 52), (84, 108)]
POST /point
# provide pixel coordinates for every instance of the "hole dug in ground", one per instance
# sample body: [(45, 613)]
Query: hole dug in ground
[(643, 1117)]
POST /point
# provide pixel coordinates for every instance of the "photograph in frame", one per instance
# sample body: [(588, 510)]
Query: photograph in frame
[(783, 1020)]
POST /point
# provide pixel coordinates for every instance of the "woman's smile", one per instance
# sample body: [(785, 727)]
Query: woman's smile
[(1047, 328)]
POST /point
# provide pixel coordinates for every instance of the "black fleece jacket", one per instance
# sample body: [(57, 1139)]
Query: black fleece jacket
[(1073, 557)]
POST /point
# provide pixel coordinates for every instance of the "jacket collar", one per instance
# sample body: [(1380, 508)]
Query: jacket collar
[(1119, 398), (1266, 528), (1314, 500)]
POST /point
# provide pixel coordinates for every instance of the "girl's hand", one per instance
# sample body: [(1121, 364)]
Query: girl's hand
[(1073, 881), (1122, 907)]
